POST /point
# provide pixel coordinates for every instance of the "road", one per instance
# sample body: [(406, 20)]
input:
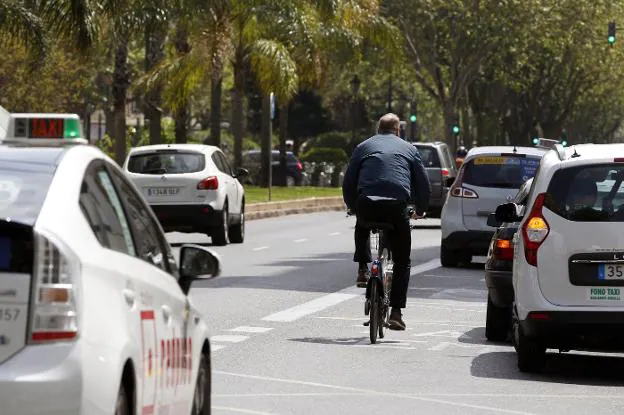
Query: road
[(287, 335)]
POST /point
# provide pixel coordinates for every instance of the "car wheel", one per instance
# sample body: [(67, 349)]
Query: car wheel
[(448, 257), (531, 352), (237, 231), (122, 405), (496, 322), (220, 233), (201, 397)]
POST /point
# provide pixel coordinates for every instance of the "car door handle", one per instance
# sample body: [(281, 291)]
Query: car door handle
[(129, 296), (166, 313)]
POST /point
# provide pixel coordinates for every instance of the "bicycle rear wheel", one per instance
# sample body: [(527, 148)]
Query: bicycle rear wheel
[(375, 312)]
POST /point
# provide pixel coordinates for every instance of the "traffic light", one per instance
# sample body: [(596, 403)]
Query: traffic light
[(611, 38), (455, 129), (413, 118), (564, 137), (535, 141)]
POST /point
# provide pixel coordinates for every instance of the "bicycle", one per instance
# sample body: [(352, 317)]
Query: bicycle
[(379, 286)]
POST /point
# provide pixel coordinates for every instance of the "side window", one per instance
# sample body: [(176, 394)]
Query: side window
[(217, 161), (149, 239), (102, 209), (226, 164)]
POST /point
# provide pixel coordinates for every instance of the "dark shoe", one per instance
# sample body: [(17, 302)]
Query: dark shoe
[(362, 278), (396, 321)]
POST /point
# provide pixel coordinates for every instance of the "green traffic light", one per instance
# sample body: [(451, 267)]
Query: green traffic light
[(413, 118), (535, 141), (564, 143), (455, 129), (611, 39)]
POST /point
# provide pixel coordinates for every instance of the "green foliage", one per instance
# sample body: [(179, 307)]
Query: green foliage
[(326, 154)]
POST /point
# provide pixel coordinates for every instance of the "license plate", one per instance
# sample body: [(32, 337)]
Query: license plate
[(611, 272), (162, 191)]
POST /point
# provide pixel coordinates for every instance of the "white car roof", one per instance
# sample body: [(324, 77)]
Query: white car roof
[(587, 154), (488, 150), (202, 148)]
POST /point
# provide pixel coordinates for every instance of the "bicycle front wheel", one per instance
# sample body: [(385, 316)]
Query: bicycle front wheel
[(375, 311)]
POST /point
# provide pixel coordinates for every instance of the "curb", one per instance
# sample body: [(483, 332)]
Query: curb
[(293, 207)]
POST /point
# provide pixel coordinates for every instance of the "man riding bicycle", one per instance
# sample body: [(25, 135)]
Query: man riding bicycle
[(384, 175)]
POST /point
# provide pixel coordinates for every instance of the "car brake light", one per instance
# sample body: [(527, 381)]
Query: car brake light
[(463, 192), (445, 172), (53, 309), (504, 250), (209, 183), (535, 230)]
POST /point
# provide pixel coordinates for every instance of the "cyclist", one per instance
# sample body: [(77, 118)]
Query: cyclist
[(384, 174)]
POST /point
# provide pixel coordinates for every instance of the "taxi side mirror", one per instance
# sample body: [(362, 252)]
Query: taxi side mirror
[(508, 212), (492, 221), (197, 262)]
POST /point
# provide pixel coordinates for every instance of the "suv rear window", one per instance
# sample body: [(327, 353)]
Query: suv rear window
[(429, 156), (591, 193), (508, 172), (170, 162)]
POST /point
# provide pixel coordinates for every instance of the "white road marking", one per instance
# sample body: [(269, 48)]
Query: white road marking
[(284, 395), (445, 345), (311, 307), (435, 307), (425, 266), (442, 395), (373, 392), (441, 333), (300, 240), (334, 234), (250, 329), (216, 347), (229, 338), (260, 248), (239, 410)]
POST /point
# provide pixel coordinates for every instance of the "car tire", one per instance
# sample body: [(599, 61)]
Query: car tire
[(237, 231), (448, 257), (497, 322), (220, 235), (122, 405), (203, 386), (531, 353)]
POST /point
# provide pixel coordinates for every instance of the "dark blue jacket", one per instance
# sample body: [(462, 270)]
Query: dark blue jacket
[(385, 166)]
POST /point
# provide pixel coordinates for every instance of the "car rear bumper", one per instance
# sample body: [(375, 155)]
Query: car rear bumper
[(43, 379), (469, 242), (186, 218), (577, 329), (500, 287)]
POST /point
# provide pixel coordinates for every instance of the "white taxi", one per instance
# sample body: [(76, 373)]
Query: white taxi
[(568, 269), (94, 313)]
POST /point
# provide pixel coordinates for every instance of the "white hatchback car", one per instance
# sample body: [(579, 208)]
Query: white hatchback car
[(568, 269), (191, 188), (94, 313)]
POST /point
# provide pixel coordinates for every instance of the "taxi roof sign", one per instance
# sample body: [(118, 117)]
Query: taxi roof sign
[(546, 143), (43, 128)]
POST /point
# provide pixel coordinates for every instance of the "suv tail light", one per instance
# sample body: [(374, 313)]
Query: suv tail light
[(503, 250), (457, 190), (535, 230), (445, 172), (53, 313), (209, 183)]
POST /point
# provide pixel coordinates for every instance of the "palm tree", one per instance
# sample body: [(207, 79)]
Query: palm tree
[(19, 25)]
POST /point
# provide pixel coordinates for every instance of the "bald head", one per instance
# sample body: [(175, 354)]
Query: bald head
[(389, 124)]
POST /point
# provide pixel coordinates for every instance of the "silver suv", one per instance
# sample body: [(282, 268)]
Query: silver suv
[(441, 169), (489, 176)]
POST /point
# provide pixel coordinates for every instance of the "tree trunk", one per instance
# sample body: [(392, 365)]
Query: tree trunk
[(283, 136), (266, 153), (238, 117), (121, 82), (216, 87), (449, 120), (155, 36), (181, 115)]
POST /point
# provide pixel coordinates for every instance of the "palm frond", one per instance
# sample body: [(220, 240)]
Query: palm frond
[(275, 68), (19, 26), (73, 19)]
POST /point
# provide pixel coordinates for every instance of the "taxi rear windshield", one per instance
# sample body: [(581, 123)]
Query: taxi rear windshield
[(593, 193), (166, 162), (22, 192), (500, 171)]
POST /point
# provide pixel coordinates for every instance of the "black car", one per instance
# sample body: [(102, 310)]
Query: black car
[(498, 275)]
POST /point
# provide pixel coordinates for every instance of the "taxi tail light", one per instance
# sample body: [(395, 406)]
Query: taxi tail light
[(209, 183), (457, 190), (53, 315), (503, 250), (535, 230)]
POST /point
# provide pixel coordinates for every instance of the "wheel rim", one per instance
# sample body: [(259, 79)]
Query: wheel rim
[(200, 388)]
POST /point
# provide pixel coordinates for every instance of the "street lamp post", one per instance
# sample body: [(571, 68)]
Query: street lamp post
[(355, 88)]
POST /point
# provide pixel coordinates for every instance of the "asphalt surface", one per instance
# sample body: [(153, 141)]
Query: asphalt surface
[(287, 335)]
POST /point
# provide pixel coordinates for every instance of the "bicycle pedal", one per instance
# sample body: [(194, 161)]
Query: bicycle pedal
[(366, 323)]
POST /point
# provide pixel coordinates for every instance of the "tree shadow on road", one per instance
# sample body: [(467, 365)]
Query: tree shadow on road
[(344, 341), (564, 368)]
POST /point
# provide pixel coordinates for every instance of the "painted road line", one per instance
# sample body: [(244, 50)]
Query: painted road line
[(260, 248), (334, 234), (300, 240), (229, 338), (425, 266), (311, 307), (250, 329), (239, 410), (215, 347)]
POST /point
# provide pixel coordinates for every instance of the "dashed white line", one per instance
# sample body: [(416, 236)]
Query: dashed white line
[(311, 307), (216, 347), (251, 329), (239, 410), (426, 266), (334, 234), (300, 240), (260, 248), (229, 338)]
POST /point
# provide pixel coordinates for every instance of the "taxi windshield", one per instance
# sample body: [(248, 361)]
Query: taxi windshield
[(22, 192), (500, 171)]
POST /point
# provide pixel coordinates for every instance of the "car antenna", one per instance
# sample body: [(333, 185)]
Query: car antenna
[(515, 150), (575, 154)]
